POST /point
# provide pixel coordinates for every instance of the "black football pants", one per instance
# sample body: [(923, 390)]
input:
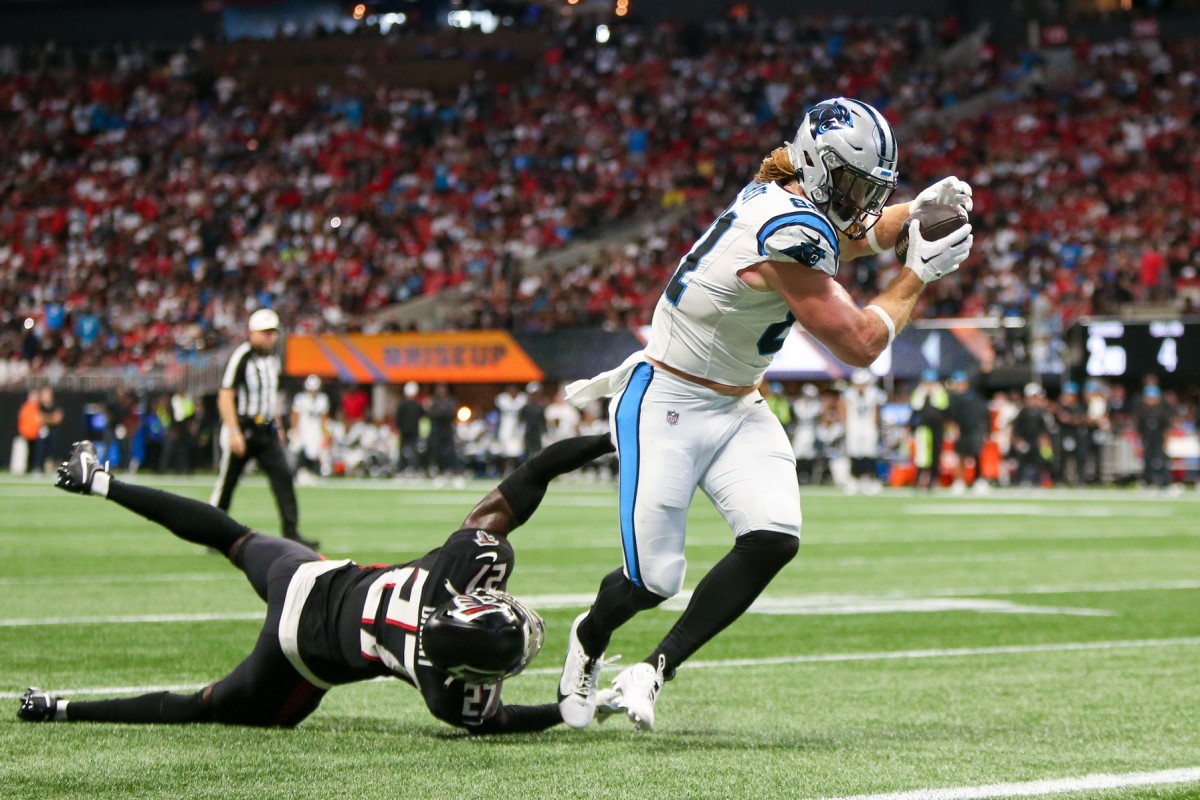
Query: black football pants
[(262, 445)]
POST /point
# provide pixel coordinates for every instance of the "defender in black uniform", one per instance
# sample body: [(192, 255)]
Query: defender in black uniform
[(442, 623)]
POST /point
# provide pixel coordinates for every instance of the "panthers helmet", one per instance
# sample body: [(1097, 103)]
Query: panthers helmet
[(483, 636), (845, 158)]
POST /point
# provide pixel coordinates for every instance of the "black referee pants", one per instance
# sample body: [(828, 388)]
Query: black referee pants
[(262, 445)]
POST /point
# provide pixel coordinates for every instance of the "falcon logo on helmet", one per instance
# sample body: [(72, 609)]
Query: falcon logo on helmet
[(482, 636), (845, 158)]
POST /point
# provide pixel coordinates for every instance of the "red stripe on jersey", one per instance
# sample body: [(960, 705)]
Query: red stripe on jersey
[(403, 625), (368, 621), (370, 657)]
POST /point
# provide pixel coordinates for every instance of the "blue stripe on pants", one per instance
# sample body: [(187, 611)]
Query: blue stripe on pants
[(628, 422)]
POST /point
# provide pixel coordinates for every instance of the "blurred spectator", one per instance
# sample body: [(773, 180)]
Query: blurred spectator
[(930, 404), (1031, 438), (29, 425), (409, 413), (443, 419), (179, 445), (1153, 422), (562, 419), (354, 404), (533, 420), (969, 414), (1074, 437), (49, 450)]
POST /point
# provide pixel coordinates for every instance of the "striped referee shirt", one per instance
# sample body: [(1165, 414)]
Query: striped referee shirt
[(255, 378)]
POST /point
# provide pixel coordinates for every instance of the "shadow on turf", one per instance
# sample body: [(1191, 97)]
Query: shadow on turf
[(667, 740)]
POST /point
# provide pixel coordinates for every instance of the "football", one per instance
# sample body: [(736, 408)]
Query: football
[(938, 221)]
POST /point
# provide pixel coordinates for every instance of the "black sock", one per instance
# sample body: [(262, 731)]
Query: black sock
[(618, 600), (157, 707), (524, 489), (722, 596), (188, 519)]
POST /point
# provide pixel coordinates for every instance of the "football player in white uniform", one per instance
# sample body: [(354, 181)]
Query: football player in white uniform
[(310, 430), (686, 412), (510, 434), (860, 404)]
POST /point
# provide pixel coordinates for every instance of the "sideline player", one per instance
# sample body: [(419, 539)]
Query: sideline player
[(310, 429), (442, 623), (687, 413), (860, 404)]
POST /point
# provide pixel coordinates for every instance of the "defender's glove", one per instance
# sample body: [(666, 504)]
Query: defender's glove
[(937, 259), (949, 191)]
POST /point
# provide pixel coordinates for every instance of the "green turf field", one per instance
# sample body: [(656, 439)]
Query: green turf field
[(917, 643)]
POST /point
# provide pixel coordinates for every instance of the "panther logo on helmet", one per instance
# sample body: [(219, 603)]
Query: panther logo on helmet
[(826, 116)]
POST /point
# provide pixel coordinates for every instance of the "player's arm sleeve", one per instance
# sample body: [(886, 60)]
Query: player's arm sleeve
[(803, 237), (520, 719), (526, 486)]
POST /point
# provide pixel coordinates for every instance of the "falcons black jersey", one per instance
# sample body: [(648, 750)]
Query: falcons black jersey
[(358, 623)]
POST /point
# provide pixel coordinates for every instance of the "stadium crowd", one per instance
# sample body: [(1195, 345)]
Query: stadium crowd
[(148, 205)]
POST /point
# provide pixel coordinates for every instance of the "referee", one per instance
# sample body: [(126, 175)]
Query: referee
[(248, 402)]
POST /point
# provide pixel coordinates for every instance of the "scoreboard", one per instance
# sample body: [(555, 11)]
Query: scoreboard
[(1118, 349)]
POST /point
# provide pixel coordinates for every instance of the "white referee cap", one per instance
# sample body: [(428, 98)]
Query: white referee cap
[(264, 320)]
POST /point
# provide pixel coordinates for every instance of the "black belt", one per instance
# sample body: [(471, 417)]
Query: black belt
[(257, 421)]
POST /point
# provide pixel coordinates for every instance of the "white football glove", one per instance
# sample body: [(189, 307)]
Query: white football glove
[(948, 191), (937, 259)]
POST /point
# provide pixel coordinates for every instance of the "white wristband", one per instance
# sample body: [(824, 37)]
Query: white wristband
[(873, 242), (887, 321)]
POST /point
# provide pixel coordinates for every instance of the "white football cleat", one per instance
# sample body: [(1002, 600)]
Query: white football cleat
[(577, 686), (638, 687)]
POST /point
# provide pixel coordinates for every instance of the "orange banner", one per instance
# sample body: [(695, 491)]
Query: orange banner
[(459, 357)]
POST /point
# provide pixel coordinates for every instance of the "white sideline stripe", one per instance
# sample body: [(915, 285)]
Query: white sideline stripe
[(86, 580), (822, 658), (898, 655), (209, 617), (1042, 787)]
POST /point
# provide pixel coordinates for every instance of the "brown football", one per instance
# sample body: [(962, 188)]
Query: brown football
[(938, 221)]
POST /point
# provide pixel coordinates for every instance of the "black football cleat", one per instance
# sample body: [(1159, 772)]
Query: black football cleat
[(37, 706), (76, 473)]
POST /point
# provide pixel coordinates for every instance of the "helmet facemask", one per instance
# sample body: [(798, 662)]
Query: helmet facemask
[(855, 199)]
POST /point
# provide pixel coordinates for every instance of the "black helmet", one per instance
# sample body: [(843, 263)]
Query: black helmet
[(482, 637)]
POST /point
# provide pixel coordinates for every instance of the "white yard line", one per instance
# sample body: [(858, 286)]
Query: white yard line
[(1042, 787), (820, 658), (900, 655), (829, 603), (554, 569)]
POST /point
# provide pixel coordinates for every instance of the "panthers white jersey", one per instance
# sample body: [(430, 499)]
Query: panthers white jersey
[(862, 420), (709, 323), (311, 409)]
